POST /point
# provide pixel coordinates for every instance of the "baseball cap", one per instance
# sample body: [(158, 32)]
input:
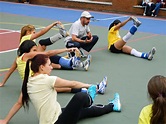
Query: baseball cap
[(86, 14)]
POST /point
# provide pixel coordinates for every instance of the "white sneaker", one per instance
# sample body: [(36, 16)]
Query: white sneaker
[(136, 21), (62, 30), (102, 85), (151, 53), (86, 63)]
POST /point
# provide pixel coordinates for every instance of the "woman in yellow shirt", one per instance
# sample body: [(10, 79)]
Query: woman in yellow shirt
[(155, 113), (116, 44)]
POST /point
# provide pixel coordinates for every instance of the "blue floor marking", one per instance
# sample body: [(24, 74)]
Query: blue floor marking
[(149, 25)]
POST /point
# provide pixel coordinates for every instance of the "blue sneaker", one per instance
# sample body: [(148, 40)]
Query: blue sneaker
[(102, 85), (92, 91), (116, 103)]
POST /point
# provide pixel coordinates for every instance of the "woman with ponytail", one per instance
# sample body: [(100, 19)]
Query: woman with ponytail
[(116, 44), (39, 88), (27, 50), (155, 113)]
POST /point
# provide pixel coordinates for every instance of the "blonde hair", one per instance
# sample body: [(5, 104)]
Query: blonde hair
[(25, 29)]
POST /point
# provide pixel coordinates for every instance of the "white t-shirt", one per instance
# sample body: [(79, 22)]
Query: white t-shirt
[(78, 30), (44, 98)]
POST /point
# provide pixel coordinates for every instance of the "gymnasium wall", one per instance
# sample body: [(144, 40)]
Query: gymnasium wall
[(118, 6)]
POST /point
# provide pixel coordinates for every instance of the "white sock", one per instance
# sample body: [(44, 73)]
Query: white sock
[(136, 53), (55, 38), (127, 37)]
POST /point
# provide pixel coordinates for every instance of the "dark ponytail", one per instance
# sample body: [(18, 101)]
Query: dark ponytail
[(36, 62), (25, 97), (114, 23)]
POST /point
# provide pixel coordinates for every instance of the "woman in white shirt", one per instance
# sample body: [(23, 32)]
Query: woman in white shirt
[(40, 89)]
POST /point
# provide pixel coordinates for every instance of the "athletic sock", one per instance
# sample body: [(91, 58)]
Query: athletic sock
[(136, 53), (55, 38), (139, 54), (133, 29), (144, 55)]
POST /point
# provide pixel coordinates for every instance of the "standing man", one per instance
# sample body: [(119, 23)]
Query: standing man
[(80, 35)]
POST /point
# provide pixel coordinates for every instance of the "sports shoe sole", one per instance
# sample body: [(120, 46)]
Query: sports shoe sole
[(62, 30), (136, 21), (100, 90), (151, 53)]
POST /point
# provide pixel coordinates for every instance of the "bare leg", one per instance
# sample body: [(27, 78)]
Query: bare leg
[(16, 107)]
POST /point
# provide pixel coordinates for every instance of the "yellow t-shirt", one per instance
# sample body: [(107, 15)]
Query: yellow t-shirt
[(21, 67), (44, 98), (145, 115), (26, 37), (113, 36)]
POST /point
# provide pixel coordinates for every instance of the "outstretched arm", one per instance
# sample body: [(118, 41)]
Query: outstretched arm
[(7, 75), (44, 30), (118, 26), (62, 83), (49, 53)]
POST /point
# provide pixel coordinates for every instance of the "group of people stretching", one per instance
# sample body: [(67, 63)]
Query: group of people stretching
[(35, 64)]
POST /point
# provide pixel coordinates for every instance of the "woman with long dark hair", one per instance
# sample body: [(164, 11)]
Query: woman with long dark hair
[(40, 90)]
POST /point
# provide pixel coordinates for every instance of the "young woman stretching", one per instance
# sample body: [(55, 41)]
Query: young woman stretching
[(116, 44), (155, 113), (28, 50), (48, 109)]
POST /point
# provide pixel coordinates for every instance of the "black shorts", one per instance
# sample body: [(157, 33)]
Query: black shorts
[(114, 50)]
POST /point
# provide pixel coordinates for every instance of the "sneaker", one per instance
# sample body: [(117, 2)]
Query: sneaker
[(92, 91), (102, 85), (83, 55), (136, 21), (151, 53), (116, 103), (86, 63), (76, 63), (89, 58), (62, 31)]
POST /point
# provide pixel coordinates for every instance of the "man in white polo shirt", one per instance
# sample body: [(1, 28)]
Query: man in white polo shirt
[(80, 35)]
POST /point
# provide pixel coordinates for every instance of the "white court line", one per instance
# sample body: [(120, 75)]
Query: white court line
[(8, 50), (11, 31)]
